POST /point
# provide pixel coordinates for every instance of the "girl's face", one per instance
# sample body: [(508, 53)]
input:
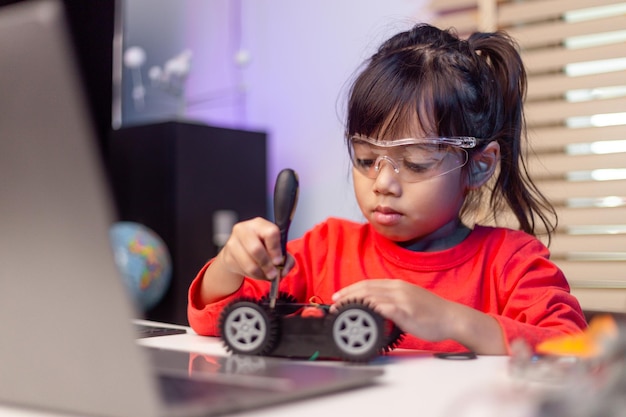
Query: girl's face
[(406, 211)]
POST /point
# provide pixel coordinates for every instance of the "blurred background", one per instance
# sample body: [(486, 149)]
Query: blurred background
[(275, 66), (198, 104), (211, 99)]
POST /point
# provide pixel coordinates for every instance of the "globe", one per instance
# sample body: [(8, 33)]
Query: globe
[(143, 261)]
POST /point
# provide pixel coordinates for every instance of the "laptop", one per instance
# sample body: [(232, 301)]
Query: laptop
[(68, 342)]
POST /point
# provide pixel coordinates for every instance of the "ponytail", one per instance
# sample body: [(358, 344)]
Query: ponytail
[(504, 82)]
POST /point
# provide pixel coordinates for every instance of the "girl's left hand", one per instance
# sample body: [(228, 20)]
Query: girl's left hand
[(412, 308), (426, 315)]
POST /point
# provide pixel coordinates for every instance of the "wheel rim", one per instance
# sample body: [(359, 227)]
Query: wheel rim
[(355, 332), (245, 329)]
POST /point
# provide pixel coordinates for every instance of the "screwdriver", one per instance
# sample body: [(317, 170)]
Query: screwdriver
[(285, 199)]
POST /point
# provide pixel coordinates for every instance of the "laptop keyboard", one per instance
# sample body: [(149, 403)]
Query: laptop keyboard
[(144, 331)]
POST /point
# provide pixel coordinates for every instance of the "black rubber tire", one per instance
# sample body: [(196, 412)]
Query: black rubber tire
[(358, 332), (248, 328)]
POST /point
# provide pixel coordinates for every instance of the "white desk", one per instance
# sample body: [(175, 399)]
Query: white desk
[(414, 384)]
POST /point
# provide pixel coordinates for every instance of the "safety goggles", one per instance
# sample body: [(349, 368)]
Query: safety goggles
[(412, 159)]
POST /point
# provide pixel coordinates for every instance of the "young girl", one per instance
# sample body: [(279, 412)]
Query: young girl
[(430, 120)]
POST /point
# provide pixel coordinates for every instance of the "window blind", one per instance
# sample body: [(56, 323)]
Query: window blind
[(575, 55)]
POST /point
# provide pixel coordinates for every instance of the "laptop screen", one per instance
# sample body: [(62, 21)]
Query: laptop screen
[(64, 312)]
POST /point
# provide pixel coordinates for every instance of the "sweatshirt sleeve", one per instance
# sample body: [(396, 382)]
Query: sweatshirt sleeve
[(204, 319), (535, 301)]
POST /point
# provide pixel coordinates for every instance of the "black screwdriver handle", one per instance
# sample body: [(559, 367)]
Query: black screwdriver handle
[(285, 199)]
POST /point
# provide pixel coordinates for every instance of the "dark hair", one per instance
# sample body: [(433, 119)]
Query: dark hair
[(448, 86)]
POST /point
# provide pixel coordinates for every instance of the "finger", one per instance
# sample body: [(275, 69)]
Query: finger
[(271, 240), (239, 259), (290, 262), (383, 305), (247, 248), (382, 295), (245, 254), (261, 261), (268, 234)]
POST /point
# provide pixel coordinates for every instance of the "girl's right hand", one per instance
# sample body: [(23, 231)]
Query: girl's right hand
[(253, 250)]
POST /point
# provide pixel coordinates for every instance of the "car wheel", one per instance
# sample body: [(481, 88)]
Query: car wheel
[(248, 328), (358, 332)]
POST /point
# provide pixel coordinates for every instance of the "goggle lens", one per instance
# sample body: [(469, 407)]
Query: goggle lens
[(413, 162)]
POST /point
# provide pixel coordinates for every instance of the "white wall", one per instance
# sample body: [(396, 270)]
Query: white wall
[(307, 52), (302, 56)]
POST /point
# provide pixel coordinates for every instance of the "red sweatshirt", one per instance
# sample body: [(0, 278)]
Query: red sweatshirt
[(501, 272)]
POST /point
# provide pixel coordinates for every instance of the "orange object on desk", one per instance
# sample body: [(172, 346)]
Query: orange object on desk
[(602, 331)]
